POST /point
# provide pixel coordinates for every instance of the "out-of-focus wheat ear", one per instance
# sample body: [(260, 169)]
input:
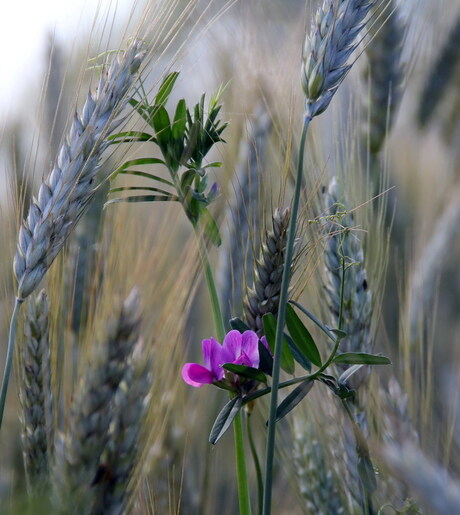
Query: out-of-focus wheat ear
[(384, 72), (78, 452), (124, 448), (242, 217), (65, 193), (263, 297), (435, 489), (333, 38), (316, 481), (432, 258), (441, 75), (343, 247), (35, 395)]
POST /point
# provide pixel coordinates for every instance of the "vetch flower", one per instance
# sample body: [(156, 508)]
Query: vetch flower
[(239, 349)]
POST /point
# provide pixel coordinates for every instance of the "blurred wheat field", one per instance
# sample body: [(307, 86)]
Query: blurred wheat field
[(97, 412)]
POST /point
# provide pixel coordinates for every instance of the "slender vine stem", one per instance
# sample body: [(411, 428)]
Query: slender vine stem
[(242, 477), (255, 457), (280, 324), (9, 356)]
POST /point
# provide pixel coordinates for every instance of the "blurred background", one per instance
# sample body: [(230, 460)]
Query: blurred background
[(407, 217)]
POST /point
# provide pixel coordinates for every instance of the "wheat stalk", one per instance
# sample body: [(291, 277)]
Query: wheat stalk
[(333, 39), (264, 296), (79, 451), (35, 394)]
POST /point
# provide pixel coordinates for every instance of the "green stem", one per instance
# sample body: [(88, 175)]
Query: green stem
[(255, 457), (242, 478), (9, 357), (215, 305), (280, 324), (243, 489)]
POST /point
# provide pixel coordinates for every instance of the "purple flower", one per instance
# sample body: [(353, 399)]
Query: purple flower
[(240, 349)]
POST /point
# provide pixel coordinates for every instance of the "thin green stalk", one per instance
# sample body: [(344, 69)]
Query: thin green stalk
[(242, 479), (216, 311), (255, 457), (9, 356), (280, 324)]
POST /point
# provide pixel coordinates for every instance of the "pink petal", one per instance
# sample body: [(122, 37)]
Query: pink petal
[(196, 375), (265, 344), (250, 347), (232, 346), (212, 356)]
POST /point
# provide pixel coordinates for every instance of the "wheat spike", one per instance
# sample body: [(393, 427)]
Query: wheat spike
[(243, 215), (344, 244), (441, 75), (332, 40), (35, 394), (384, 72), (263, 297), (79, 451), (66, 192), (124, 445)]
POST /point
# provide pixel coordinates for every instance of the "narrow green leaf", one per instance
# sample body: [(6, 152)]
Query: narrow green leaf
[(166, 88), (361, 358), (247, 372), (314, 319), (139, 188), (265, 359), (340, 334), (143, 198), (224, 419), (291, 401), (297, 354), (302, 337), (210, 227), (162, 126), (239, 325), (130, 136), (180, 120), (148, 176), (287, 361)]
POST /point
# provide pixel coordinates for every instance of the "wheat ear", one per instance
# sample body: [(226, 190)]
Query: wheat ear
[(78, 452), (333, 39), (384, 72), (243, 215), (123, 449), (264, 296), (441, 75), (344, 250), (35, 394), (65, 193)]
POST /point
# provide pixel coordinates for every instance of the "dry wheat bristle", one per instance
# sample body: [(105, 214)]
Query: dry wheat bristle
[(66, 192), (263, 297), (79, 451), (35, 394), (332, 40)]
